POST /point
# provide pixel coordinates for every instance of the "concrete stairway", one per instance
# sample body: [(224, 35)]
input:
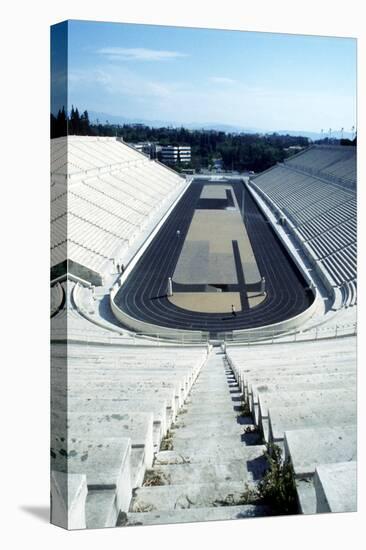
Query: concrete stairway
[(209, 461)]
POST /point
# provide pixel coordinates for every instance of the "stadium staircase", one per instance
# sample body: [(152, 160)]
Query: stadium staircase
[(210, 460), (193, 449)]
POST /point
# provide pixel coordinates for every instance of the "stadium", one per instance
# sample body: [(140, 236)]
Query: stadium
[(202, 327)]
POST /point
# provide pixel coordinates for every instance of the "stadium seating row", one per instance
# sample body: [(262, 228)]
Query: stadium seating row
[(114, 420), (303, 399), (83, 153), (328, 161), (323, 212), (113, 192)]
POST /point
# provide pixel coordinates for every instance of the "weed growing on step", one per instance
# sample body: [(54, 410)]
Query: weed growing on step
[(251, 435), (227, 501), (142, 507), (251, 430), (154, 478), (277, 488), (244, 409), (167, 442), (180, 425), (174, 460), (249, 496)]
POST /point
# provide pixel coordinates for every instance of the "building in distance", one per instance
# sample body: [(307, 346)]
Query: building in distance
[(174, 154), (148, 148)]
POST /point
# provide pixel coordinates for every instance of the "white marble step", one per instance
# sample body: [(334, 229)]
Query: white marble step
[(232, 470), (197, 495), (191, 515)]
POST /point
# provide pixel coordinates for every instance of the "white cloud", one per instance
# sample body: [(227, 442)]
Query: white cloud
[(119, 81), (139, 54), (222, 80), (97, 76)]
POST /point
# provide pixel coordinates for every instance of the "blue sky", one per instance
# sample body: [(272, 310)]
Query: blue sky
[(257, 80)]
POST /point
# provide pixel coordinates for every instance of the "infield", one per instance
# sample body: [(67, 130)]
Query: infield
[(216, 253)]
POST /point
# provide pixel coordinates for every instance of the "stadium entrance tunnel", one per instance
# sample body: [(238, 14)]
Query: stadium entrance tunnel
[(228, 269)]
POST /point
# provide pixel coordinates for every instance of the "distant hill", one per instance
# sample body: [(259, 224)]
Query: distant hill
[(228, 128)]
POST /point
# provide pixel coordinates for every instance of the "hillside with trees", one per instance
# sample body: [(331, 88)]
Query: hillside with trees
[(238, 151)]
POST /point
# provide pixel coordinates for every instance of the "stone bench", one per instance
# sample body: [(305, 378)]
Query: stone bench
[(278, 353), (294, 383), (296, 373), (282, 419), (186, 379), (118, 374), (297, 353), (162, 415), (166, 397), (268, 356), (263, 361), (117, 358), (116, 368), (106, 464), (179, 385), (130, 385), (290, 376), (309, 447), (146, 356), (182, 382), (68, 497), (306, 399), (251, 376), (124, 387), (175, 394), (336, 487), (101, 509), (97, 426)]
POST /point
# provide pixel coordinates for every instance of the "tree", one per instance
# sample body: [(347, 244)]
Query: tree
[(75, 123), (238, 151), (85, 124), (59, 124)]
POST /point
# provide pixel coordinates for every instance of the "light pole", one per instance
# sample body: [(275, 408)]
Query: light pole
[(170, 287), (263, 286)]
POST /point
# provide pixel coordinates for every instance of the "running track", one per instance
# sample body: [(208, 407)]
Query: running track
[(143, 295)]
